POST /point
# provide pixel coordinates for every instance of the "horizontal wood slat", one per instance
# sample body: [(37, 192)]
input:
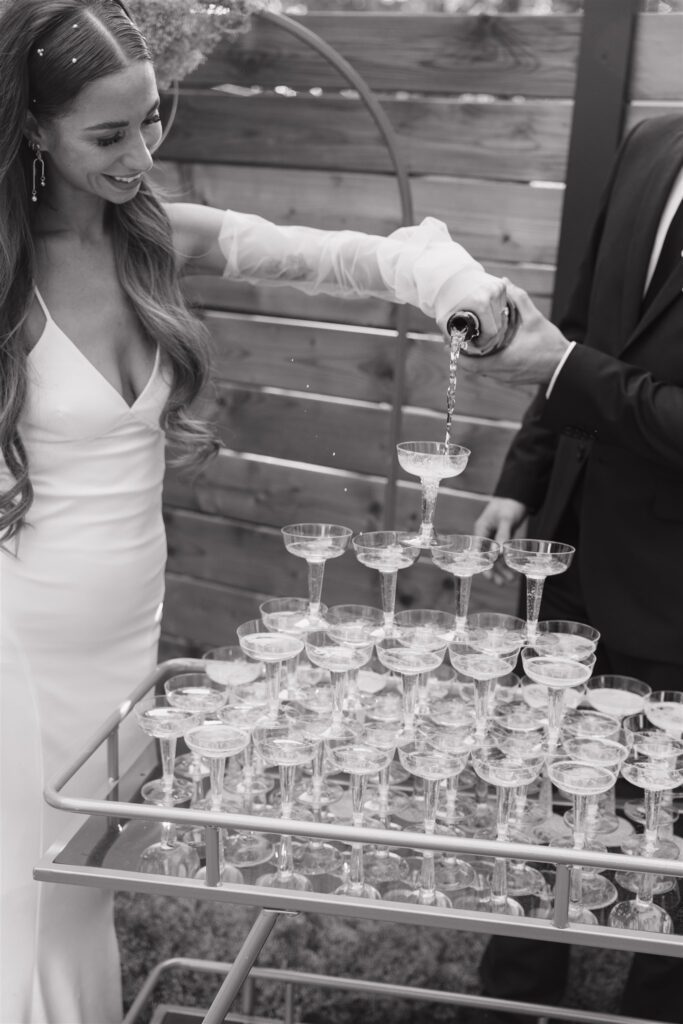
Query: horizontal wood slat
[(514, 55), (356, 364), (508, 222), (272, 493), (205, 614), (494, 140), (215, 293), (529, 56), (349, 436)]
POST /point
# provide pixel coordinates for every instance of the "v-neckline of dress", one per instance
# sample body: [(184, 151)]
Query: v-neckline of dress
[(49, 320)]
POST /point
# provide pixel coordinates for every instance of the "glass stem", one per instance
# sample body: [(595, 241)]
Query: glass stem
[(430, 490), (216, 775), (653, 803), (583, 808), (356, 876), (409, 700), (316, 571), (167, 747), (555, 712), (499, 879), (272, 669), (388, 591), (482, 694), (534, 592), (338, 692), (463, 586), (286, 859), (427, 879), (168, 835), (383, 796), (317, 778)]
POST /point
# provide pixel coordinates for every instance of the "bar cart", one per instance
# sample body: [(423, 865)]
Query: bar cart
[(96, 856)]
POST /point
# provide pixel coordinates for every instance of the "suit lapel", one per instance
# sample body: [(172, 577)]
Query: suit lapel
[(650, 206)]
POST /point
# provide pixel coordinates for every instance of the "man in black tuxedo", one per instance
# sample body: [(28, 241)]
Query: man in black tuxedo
[(598, 463)]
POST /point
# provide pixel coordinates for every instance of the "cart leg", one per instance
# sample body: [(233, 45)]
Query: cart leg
[(242, 964)]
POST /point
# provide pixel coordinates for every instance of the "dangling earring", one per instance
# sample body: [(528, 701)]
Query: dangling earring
[(38, 168)]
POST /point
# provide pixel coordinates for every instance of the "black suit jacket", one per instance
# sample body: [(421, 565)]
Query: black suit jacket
[(615, 413)]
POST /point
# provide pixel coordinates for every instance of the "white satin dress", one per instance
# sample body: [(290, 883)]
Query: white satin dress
[(80, 601)]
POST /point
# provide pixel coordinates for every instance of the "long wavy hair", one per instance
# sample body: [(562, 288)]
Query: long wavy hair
[(38, 41)]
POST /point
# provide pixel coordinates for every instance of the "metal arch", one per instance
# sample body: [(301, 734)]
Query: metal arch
[(368, 97)]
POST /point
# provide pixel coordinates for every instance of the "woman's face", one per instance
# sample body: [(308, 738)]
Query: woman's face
[(104, 144)]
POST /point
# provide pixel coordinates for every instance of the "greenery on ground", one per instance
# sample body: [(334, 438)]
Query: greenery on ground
[(154, 928)]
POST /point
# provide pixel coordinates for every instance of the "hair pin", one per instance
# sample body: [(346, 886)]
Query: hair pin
[(74, 59), (40, 51)]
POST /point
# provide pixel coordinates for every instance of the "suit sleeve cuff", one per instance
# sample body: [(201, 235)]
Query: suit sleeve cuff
[(558, 369)]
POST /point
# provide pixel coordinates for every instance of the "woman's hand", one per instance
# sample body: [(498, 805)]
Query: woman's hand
[(500, 520)]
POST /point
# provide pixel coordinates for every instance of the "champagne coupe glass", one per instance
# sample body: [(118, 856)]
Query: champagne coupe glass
[(196, 692), (273, 649), (315, 707), (432, 462), (518, 727), (387, 551), (506, 770), (316, 542), (617, 695), (655, 775), (561, 636), (536, 560), (451, 872), (502, 631), (338, 659), (558, 673), (409, 663), (360, 750), (603, 752), (385, 707), (230, 666), (246, 848), (463, 556), (424, 629), (216, 741), (315, 856), (664, 709), (433, 765), (164, 722), (584, 723), (289, 615), (584, 781), (654, 744), (158, 718), (357, 625), (484, 657), (283, 742)]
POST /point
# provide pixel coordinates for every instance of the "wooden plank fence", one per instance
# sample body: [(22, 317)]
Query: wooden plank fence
[(305, 387)]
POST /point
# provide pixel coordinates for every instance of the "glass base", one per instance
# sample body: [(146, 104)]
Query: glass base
[(581, 915), (452, 874), (180, 860), (186, 767), (638, 916), (358, 889), (424, 897), (631, 880), (229, 874), (605, 825), (291, 880), (154, 792), (382, 865), (330, 792), (482, 822), (597, 891), (635, 811), (247, 849), (317, 858), (523, 880), (487, 904)]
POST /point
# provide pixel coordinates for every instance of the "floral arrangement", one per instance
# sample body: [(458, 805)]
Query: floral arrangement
[(181, 33)]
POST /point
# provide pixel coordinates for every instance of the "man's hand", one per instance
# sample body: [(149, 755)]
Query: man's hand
[(499, 520), (534, 352)]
